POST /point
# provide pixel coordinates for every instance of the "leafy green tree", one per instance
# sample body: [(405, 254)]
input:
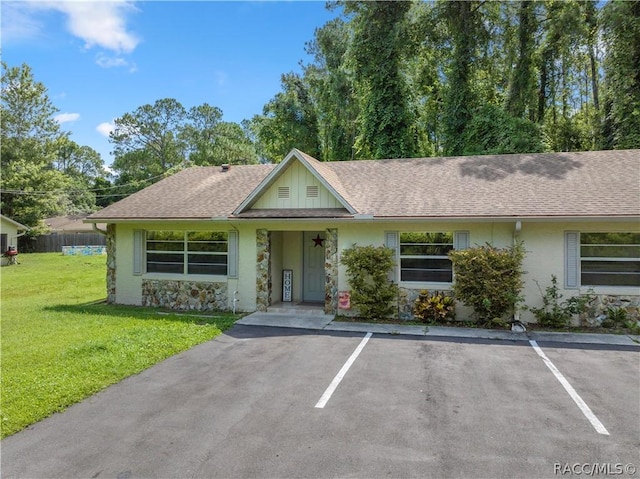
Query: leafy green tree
[(233, 146), (520, 96), (493, 131), (148, 141), (465, 30), (621, 34), (32, 189), (386, 121), (332, 89), (288, 121)]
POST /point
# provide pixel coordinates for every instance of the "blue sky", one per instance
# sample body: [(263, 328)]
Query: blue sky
[(100, 60)]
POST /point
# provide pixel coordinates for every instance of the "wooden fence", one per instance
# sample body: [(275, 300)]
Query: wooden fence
[(53, 243)]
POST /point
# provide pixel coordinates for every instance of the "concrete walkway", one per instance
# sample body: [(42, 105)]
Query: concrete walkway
[(325, 322)]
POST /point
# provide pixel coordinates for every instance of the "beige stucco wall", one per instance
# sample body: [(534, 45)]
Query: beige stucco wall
[(544, 243)]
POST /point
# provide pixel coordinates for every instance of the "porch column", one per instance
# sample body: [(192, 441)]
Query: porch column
[(263, 250), (111, 263), (331, 271)]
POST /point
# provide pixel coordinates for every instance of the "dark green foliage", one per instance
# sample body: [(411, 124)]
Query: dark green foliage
[(616, 317), (521, 82), (493, 131), (288, 120), (386, 119), (460, 101), (368, 269), (556, 313), (489, 279), (434, 308), (621, 34)]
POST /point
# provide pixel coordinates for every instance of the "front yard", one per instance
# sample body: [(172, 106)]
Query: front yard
[(60, 343)]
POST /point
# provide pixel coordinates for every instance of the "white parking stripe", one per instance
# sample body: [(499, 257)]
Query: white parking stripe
[(595, 422), (334, 384)]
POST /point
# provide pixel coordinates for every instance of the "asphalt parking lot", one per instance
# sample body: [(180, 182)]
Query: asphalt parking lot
[(270, 403)]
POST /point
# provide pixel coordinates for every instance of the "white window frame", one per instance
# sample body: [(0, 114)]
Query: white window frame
[(425, 257), (185, 252), (584, 259)]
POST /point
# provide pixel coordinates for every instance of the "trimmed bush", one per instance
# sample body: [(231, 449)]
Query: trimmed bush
[(368, 269), (489, 280)]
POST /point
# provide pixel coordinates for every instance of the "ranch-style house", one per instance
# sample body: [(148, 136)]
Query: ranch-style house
[(252, 237)]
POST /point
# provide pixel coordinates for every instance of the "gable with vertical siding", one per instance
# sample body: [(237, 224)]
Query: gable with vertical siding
[(297, 187)]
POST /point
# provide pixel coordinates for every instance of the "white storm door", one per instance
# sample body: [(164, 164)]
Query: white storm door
[(313, 266)]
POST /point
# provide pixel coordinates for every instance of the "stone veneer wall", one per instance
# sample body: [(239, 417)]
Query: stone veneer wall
[(185, 295), (111, 263), (602, 302), (331, 272), (263, 270)]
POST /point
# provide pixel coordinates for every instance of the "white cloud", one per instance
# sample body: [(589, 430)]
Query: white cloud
[(106, 61), (98, 24), (67, 117), (105, 128)]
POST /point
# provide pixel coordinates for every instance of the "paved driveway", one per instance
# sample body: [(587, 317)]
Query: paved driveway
[(247, 405)]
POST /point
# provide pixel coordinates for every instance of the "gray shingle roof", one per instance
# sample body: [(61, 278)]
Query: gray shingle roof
[(580, 184)]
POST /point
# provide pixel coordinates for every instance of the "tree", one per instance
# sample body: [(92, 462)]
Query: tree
[(465, 31), (82, 165), (332, 90), (214, 142), (32, 189), (621, 33), (493, 131), (289, 120), (521, 81), (386, 121), (148, 142)]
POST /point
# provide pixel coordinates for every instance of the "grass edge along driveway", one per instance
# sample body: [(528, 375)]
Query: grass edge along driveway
[(61, 344)]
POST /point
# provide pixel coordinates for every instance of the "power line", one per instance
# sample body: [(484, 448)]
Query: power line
[(48, 192)]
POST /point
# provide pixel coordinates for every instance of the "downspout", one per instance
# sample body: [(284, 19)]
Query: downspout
[(516, 324), (98, 230), (516, 231)]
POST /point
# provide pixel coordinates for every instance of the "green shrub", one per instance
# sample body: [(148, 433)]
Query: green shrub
[(489, 279), (616, 318), (368, 269), (437, 308), (555, 313)]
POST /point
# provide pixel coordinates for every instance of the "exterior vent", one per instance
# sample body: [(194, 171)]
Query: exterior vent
[(283, 192), (312, 191), (225, 167)]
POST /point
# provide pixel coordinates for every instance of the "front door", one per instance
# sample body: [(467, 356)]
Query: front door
[(313, 266)]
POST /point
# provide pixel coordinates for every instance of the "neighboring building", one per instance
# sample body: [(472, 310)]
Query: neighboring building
[(190, 241), (65, 232), (10, 231)]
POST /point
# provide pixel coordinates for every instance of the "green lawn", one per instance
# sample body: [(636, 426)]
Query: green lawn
[(60, 343)]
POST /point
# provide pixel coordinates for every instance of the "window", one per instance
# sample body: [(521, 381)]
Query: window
[(191, 252), (423, 257), (610, 259)]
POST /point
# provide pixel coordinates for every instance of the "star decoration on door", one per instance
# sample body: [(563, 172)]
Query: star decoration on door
[(317, 241)]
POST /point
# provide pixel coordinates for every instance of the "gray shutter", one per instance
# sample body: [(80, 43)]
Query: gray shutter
[(392, 240), (460, 240), (138, 252), (232, 254), (572, 259)]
